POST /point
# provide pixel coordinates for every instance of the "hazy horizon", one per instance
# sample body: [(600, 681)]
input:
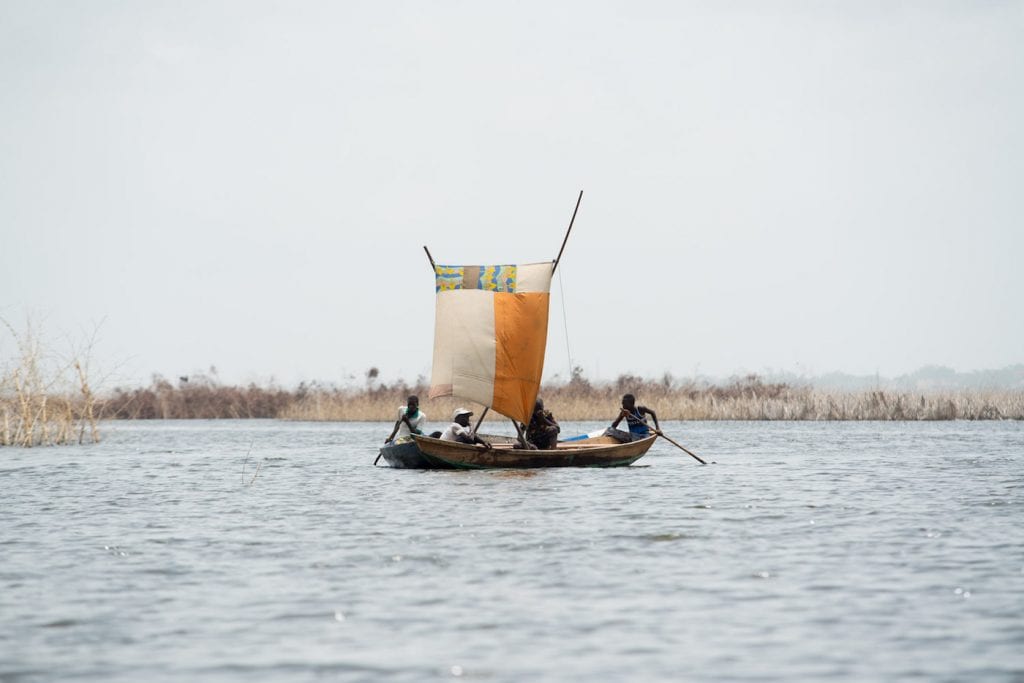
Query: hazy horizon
[(790, 187)]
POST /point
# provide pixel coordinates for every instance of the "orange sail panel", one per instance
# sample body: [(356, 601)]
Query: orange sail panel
[(490, 332)]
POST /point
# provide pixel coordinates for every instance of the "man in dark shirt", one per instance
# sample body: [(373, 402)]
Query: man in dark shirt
[(543, 429)]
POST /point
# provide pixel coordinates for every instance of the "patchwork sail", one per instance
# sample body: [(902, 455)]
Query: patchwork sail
[(490, 332)]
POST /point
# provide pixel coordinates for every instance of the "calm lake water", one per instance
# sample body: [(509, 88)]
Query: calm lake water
[(810, 551)]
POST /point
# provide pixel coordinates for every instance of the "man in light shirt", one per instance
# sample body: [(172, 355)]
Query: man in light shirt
[(460, 431), (410, 417)]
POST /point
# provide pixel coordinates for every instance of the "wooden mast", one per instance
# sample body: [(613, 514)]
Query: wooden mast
[(571, 221)]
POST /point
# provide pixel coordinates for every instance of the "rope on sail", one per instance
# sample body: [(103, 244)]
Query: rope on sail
[(565, 323)]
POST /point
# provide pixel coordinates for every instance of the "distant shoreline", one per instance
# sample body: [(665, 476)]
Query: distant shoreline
[(30, 417), (749, 398)]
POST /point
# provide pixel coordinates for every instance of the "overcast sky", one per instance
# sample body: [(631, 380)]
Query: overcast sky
[(795, 186)]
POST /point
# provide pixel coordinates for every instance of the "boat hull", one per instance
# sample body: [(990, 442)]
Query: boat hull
[(567, 454), (408, 456)]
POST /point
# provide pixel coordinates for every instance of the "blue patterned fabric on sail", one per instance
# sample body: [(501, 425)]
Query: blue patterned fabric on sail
[(447, 278), (497, 278), (488, 278)]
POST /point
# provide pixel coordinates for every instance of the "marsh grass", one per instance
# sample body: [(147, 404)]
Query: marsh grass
[(750, 398), (747, 398)]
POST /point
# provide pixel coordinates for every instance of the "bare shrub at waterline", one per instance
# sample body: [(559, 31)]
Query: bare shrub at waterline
[(46, 398), (198, 396)]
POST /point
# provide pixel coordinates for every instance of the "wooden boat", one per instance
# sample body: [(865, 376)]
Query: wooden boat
[(455, 455), (425, 453), (490, 332)]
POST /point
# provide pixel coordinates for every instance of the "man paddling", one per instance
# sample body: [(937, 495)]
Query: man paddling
[(635, 418), (410, 417)]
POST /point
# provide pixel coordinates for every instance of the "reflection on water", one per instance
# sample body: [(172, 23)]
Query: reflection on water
[(843, 551)]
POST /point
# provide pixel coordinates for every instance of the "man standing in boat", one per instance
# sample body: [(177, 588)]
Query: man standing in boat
[(410, 417), (634, 414), (459, 430)]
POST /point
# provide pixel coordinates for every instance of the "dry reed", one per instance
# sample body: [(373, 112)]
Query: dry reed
[(748, 398), (45, 399), (751, 399)]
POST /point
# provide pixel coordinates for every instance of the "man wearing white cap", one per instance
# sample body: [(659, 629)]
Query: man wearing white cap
[(460, 431)]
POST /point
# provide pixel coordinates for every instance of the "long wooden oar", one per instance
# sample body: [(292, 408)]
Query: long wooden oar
[(695, 457)]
